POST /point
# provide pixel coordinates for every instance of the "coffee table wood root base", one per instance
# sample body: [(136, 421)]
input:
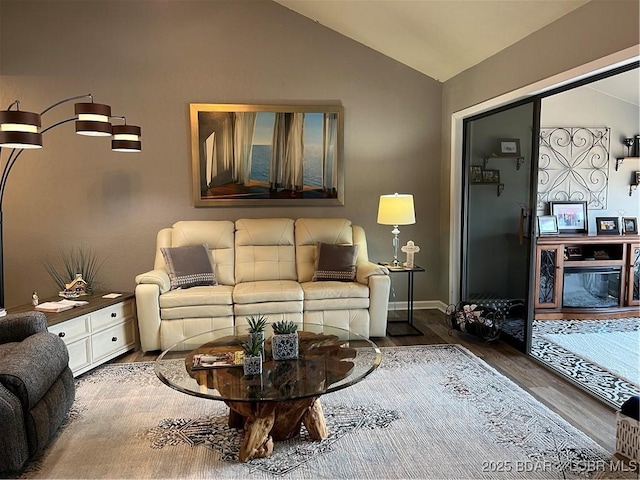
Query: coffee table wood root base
[(265, 422)]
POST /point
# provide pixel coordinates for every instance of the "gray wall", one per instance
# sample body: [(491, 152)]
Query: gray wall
[(149, 59)]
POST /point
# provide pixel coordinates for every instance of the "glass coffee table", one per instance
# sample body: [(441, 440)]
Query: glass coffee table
[(272, 406)]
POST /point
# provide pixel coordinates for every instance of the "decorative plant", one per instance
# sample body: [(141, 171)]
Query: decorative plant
[(284, 343), (284, 327), (257, 323), (253, 355), (253, 347), (79, 260)]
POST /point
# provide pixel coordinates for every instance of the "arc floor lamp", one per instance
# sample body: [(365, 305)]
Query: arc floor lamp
[(20, 131)]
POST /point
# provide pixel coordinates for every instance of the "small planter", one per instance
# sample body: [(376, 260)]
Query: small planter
[(252, 365), (284, 346)]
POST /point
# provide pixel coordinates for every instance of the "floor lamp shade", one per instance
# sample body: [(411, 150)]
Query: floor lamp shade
[(126, 138), (20, 129), (93, 119), (396, 209)]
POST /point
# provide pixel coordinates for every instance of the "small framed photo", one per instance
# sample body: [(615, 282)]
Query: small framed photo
[(573, 252), (548, 225), (476, 174), (509, 146), (491, 176), (607, 226), (572, 216), (637, 177), (630, 225)]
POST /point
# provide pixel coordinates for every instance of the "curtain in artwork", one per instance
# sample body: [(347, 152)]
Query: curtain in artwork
[(287, 152), (211, 158), (243, 127), (329, 153), (226, 145)]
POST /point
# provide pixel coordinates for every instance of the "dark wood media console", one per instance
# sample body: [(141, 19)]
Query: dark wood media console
[(609, 263)]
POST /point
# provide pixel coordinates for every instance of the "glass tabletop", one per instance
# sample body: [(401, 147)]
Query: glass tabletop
[(329, 359)]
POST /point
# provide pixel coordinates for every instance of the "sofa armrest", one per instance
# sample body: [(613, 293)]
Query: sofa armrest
[(15, 327), (14, 450), (379, 287), (148, 313), (155, 277), (364, 270)]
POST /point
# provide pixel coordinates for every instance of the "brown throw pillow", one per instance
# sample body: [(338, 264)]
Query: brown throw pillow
[(189, 266), (336, 262)]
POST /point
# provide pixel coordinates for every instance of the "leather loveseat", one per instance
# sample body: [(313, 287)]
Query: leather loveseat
[(262, 266)]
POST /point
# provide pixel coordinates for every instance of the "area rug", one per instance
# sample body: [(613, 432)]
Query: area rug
[(601, 356), (434, 411)]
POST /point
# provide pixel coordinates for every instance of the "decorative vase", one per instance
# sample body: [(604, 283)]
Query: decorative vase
[(252, 365), (284, 346), (260, 336)]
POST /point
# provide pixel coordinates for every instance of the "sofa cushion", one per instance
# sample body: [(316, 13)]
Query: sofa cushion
[(189, 266), (309, 232), (336, 262), (265, 250), (267, 291), (334, 290)]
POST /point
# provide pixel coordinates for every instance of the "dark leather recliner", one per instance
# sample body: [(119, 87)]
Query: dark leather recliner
[(36, 387)]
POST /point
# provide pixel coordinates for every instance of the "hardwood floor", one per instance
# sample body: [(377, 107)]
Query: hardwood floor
[(579, 408)]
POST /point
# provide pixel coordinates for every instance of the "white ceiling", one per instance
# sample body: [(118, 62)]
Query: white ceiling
[(439, 38)]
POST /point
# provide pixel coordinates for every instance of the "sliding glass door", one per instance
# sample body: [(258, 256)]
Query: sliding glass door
[(499, 162)]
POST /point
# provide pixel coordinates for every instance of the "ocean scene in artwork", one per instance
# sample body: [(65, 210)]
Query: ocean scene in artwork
[(312, 164)]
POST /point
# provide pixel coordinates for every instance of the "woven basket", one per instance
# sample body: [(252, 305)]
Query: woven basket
[(627, 437)]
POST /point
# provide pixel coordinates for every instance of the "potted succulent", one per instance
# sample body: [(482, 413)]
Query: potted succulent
[(284, 343), (257, 324), (253, 356)]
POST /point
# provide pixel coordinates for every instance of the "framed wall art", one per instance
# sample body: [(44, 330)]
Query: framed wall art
[(266, 154), (491, 176), (607, 226), (572, 216), (509, 147), (476, 174)]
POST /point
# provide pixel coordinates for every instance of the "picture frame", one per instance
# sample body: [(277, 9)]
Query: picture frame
[(629, 225), (548, 225), (572, 216), (490, 176), (607, 226), (476, 174), (637, 178), (267, 155), (509, 147)]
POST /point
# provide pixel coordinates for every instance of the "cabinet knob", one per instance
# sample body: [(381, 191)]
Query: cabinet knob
[(114, 315), (61, 334), (114, 339)]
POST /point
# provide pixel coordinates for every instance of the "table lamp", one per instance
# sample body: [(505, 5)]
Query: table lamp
[(396, 209)]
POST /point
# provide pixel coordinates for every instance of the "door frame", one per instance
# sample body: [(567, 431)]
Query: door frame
[(555, 83)]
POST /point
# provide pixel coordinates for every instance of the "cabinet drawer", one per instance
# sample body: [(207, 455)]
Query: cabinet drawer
[(72, 330), (79, 354), (111, 315), (112, 339)]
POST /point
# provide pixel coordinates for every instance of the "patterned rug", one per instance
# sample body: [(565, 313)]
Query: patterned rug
[(586, 352), (434, 411)]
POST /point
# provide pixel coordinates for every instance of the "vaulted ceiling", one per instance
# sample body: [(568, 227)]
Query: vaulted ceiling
[(439, 38)]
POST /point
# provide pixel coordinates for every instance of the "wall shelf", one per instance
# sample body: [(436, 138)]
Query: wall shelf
[(519, 159), (619, 161), (499, 186)]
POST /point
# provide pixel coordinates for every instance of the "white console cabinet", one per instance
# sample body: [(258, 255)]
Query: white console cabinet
[(96, 332)]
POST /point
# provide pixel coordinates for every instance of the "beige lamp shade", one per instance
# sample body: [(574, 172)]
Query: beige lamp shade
[(396, 209)]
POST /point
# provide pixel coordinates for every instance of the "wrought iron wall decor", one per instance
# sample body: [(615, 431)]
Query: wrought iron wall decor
[(574, 166)]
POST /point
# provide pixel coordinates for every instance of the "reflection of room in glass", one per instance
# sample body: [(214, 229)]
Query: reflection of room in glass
[(271, 155)]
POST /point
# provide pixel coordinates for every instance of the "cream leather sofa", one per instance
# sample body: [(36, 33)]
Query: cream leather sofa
[(262, 266)]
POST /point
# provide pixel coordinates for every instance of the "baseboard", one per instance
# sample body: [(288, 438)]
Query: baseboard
[(420, 305)]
